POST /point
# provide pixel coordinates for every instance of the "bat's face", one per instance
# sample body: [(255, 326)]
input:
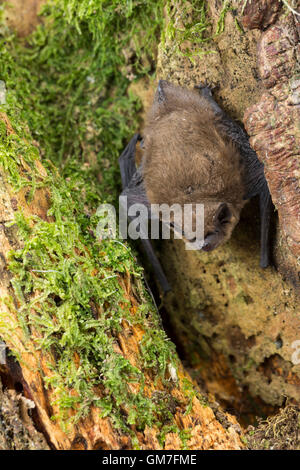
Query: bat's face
[(188, 160), (185, 175), (219, 222), (207, 228)]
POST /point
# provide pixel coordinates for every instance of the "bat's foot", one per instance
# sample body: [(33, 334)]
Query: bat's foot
[(265, 251), (264, 261), (166, 288)]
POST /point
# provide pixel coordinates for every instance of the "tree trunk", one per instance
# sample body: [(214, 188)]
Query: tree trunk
[(36, 365)]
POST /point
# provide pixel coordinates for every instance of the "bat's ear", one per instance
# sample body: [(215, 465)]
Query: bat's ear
[(223, 214), (166, 99), (160, 102), (161, 95)]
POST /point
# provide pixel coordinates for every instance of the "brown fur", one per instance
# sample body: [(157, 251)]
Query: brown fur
[(187, 159)]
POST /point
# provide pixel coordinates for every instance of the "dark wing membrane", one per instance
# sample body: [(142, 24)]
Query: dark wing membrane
[(254, 170), (134, 191), (127, 161)]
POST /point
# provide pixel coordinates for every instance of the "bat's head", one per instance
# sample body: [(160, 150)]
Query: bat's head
[(188, 160), (220, 218)]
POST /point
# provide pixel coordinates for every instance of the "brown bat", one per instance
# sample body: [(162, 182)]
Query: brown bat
[(195, 153)]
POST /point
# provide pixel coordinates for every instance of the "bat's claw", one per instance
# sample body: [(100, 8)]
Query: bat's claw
[(264, 263)]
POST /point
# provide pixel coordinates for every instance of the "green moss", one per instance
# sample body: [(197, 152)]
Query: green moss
[(189, 23), (244, 440), (238, 25), (190, 392), (193, 28), (221, 22), (72, 273), (185, 435), (167, 428), (68, 87)]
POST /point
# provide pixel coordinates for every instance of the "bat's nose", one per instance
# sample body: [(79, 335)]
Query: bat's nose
[(210, 242), (207, 247)]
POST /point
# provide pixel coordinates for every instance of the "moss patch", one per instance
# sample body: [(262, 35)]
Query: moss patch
[(66, 100), (280, 432), (186, 25)]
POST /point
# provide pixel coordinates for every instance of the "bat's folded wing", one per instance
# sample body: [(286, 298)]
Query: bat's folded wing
[(134, 193)]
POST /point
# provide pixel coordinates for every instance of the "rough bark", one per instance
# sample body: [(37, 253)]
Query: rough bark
[(92, 432), (17, 430), (260, 14), (273, 125)]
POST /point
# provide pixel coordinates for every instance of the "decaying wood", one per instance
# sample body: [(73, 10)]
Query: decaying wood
[(91, 432), (17, 431), (259, 13)]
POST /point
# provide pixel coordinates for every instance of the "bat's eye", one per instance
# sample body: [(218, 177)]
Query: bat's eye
[(224, 214), (189, 190)]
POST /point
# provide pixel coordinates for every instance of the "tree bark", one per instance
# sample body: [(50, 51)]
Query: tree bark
[(17, 430)]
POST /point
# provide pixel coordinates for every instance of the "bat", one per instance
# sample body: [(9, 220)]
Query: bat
[(193, 152)]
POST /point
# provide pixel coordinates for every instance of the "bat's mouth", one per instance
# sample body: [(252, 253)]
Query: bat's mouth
[(208, 247), (211, 241)]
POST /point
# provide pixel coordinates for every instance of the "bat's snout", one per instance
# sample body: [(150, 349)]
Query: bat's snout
[(211, 241), (208, 247)]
